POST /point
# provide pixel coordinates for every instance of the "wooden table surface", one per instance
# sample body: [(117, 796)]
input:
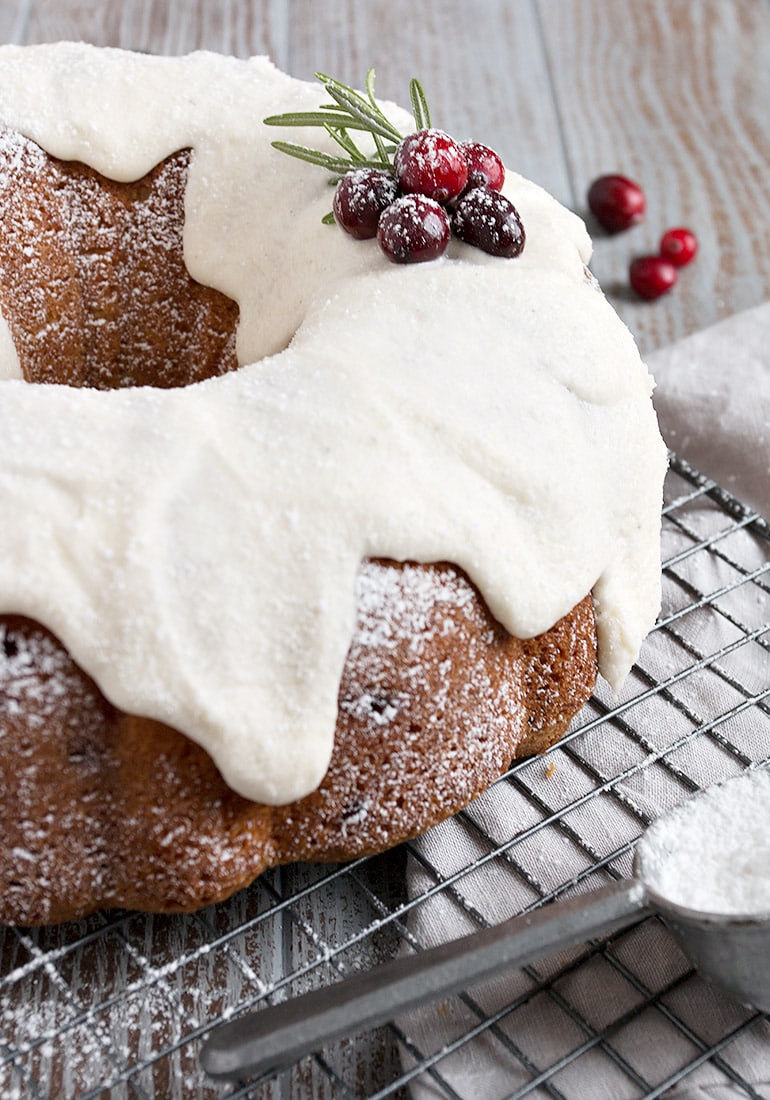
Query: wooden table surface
[(674, 93)]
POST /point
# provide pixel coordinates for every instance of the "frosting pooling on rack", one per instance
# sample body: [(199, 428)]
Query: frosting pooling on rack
[(196, 549)]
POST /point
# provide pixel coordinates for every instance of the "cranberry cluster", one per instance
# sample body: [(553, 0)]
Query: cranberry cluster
[(618, 203), (438, 186)]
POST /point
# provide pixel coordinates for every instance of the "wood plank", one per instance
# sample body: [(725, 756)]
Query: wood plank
[(347, 910), (482, 66), (237, 27), (14, 15), (675, 95)]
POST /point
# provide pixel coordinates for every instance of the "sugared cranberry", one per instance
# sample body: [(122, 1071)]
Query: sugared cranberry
[(679, 246), (616, 202), (431, 163), (651, 276), (413, 229), (490, 221), (359, 199), (485, 169)]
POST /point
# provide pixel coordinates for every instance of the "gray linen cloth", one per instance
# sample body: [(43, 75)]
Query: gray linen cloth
[(713, 402)]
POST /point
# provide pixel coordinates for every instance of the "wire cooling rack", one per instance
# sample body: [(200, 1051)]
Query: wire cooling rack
[(117, 1004)]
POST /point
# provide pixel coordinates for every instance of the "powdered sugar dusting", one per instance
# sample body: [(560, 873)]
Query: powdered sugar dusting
[(413, 597), (417, 593), (33, 676)]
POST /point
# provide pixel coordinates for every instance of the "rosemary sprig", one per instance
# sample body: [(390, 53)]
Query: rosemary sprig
[(350, 110)]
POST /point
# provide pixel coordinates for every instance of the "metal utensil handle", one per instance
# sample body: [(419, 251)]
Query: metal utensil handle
[(274, 1038)]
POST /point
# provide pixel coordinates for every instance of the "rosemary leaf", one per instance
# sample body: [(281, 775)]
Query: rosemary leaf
[(359, 108), (313, 118), (370, 89), (324, 160), (382, 149), (370, 119), (313, 156), (419, 105), (328, 219), (343, 139), (375, 105)]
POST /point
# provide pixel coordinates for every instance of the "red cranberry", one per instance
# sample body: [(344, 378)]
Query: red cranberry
[(616, 202), (651, 276), (413, 229), (490, 221), (678, 246), (431, 163), (485, 169), (359, 199)]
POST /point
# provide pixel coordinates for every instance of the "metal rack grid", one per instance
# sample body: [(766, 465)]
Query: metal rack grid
[(117, 1004)]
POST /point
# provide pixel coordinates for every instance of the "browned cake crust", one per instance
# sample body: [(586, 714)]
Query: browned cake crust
[(99, 808), (93, 283)]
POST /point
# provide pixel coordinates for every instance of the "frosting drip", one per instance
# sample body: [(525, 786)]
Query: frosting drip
[(9, 360), (196, 549)]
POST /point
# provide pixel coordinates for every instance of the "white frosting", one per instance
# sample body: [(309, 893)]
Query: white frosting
[(196, 549), (10, 367), (712, 853)]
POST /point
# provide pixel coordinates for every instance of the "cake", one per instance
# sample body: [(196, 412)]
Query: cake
[(299, 548)]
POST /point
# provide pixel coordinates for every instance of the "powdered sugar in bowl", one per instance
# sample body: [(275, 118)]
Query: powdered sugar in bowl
[(706, 867)]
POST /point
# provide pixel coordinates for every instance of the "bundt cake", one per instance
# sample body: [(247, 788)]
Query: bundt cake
[(298, 548)]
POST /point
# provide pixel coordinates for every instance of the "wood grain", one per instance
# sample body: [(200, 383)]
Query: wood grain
[(482, 66), (14, 15), (237, 27), (675, 95)]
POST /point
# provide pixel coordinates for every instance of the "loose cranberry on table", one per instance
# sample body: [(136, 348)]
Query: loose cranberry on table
[(679, 246), (651, 276), (359, 199), (431, 163), (490, 221), (616, 202), (485, 168), (413, 229)]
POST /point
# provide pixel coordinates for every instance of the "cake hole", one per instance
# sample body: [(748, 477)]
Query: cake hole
[(381, 705), (10, 645), (351, 809)]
